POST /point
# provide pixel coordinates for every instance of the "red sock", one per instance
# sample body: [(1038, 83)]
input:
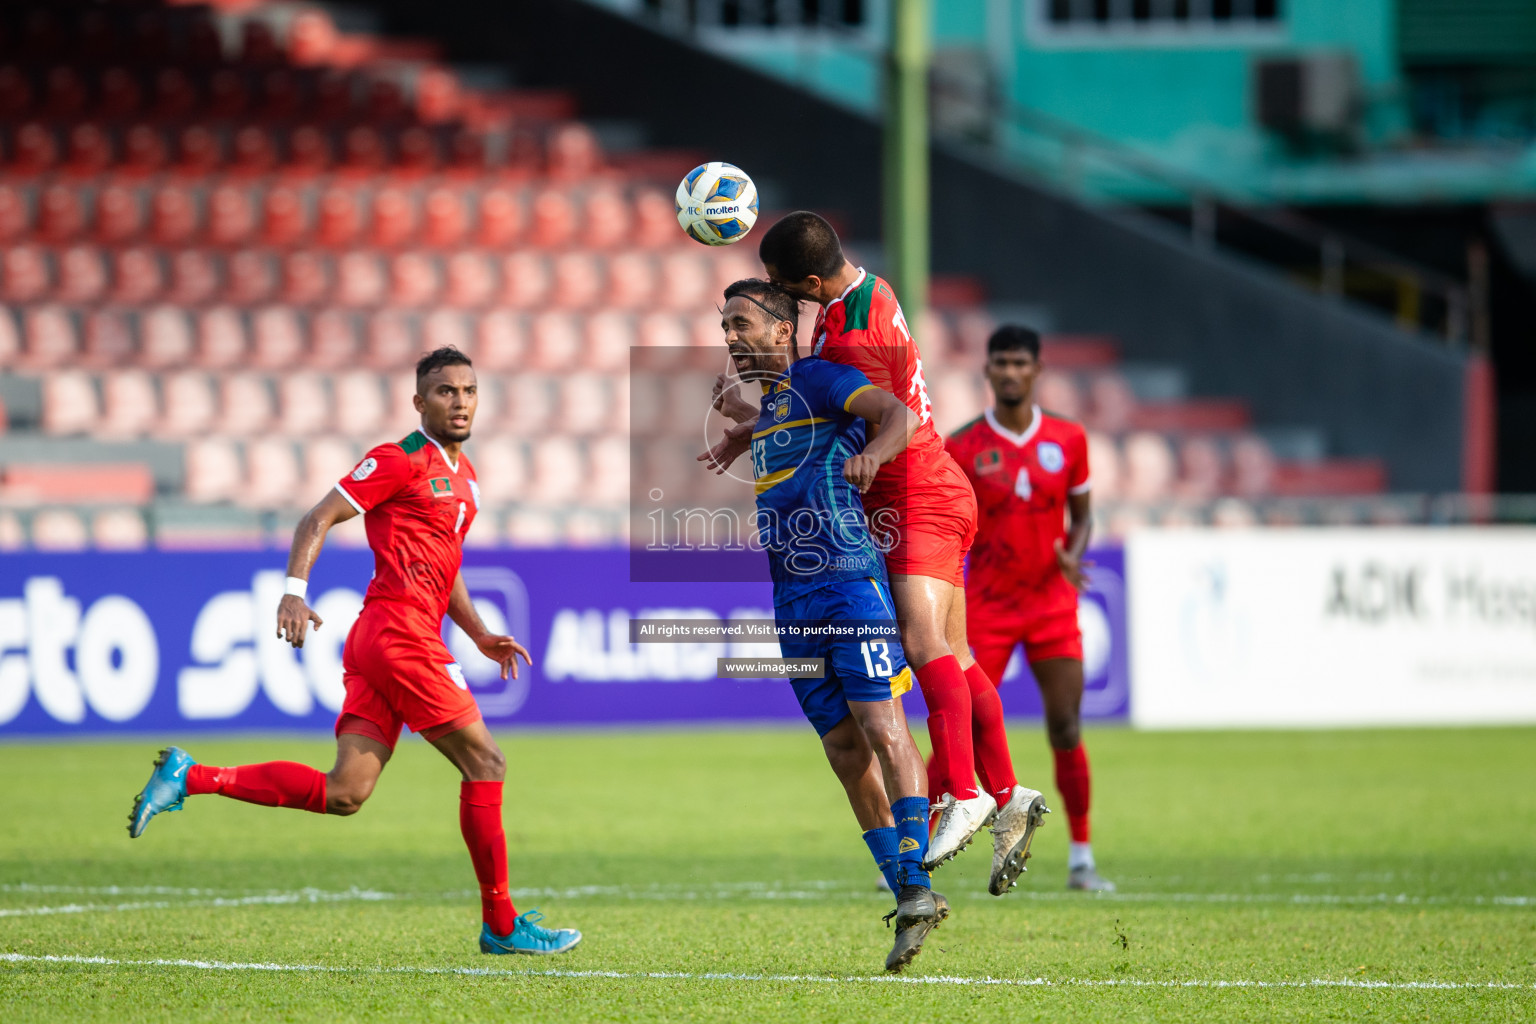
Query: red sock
[(989, 735), (273, 784), (480, 821), (949, 728), (1072, 780)]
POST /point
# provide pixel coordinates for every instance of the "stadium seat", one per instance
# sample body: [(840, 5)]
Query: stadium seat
[(199, 152), (500, 342), (402, 415), (254, 152), (326, 460), (553, 223), (609, 335), (393, 220), (556, 342), (332, 340), (607, 483), (14, 214), (413, 280), (1114, 403), (631, 281), (1233, 513), (312, 37), (449, 328), (500, 220), (305, 278), (10, 340), (89, 151), (108, 338), (34, 150), (82, 275), (532, 528), (194, 278), (578, 280), (70, 403), (143, 151), (574, 153), (528, 405), (1202, 468), (278, 340), (119, 529), (252, 278), (437, 95), (444, 218), (58, 529), (15, 92), (359, 400), (684, 282), (272, 475), (189, 404), (284, 220), (956, 397), (13, 536), (1104, 468), (119, 214), (559, 470), (231, 215), (339, 221), (471, 280), (165, 338), (608, 218), (360, 280), (245, 404), (309, 152), (972, 328), (1254, 467), (1150, 469), (60, 214), (220, 338), (501, 467), (391, 343), (26, 274), (417, 154), (731, 266), (526, 280), (228, 95), (175, 95), (662, 330), (1059, 393), (137, 276), (48, 337), (130, 406), (585, 400)]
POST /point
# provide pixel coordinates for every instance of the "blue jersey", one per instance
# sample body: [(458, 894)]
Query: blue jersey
[(811, 520)]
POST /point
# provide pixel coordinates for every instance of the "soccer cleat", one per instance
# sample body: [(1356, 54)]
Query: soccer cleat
[(529, 937), (1087, 879), (959, 821), (165, 790), (1012, 831), (917, 914)]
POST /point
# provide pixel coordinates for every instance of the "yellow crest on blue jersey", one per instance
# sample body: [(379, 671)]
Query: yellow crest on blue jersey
[(781, 409)]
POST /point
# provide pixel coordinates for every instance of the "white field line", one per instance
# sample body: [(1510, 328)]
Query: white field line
[(1324, 983), (813, 890)]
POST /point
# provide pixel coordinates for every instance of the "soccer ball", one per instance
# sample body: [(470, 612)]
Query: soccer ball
[(717, 203)]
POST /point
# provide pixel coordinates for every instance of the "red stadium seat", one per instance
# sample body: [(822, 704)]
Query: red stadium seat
[(1254, 467), (119, 529), (60, 214), (386, 102), (608, 477), (471, 280), (10, 341), (175, 95), (578, 280), (467, 157), (309, 152), (418, 153), (305, 279), (108, 338), (326, 460), (526, 280), (394, 218), (656, 221), (282, 97), (1104, 467), (502, 468), (231, 216), (199, 152), (533, 528), (130, 406), (339, 220), (26, 275), (609, 335), (1150, 469), (360, 280), (733, 265), (359, 404), (65, 94), (90, 150), (258, 43), (501, 218), (312, 38), (121, 94), (402, 416), (662, 330), (254, 151), (556, 342), (333, 340), (189, 405), (220, 339), (228, 96), (363, 151), (1233, 513), (14, 215), (574, 153), (1202, 468), (34, 149), (445, 327), (252, 278), (194, 278), (143, 151), (528, 404), (277, 339), (413, 280), (136, 276), (609, 220), (583, 405), (245, 403), (82, 275), (632, 281), (684, 281), (304, 405), (559, 471), (70, 403), (172, 216), (59, 529), (957, 398), (271, 474), (165, 338), (391, 342), (119, 214), (500, 342), (445, 221), (1114, 403), (48, 336), (554, 220), (437, 95), (972, 329), (1059, 393), (15, 93), (333, 96)]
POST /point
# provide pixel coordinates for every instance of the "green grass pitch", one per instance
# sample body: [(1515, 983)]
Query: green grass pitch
[(718, 875)]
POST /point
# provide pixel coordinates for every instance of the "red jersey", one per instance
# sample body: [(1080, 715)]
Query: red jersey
[(419, 506), (864, 328), (1022, 482)]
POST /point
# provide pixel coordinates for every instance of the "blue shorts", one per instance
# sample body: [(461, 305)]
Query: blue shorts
[(862, 670)]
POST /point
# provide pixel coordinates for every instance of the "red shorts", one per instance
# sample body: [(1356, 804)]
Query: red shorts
[(1044, 621), (398, 671), (932, 527)]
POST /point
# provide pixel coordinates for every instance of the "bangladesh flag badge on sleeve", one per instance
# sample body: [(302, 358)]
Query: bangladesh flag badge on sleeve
[(442, 487)]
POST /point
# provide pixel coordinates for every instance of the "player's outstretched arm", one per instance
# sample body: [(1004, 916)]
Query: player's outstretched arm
[(728, 401), (893, 423), (728, 449), (293, 615), (501, 649)]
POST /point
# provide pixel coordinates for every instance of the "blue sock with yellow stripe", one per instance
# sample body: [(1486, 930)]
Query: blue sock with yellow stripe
[(911, 813), (882, 844)]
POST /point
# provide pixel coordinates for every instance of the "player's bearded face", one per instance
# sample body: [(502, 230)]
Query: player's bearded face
[(757, 343), (447, 400), (1012, 376)]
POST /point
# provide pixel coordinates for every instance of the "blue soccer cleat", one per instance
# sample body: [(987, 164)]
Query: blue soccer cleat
[(165, 790), (528, 937)]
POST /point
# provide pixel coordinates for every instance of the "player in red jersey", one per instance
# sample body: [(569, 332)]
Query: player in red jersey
[(419, 497), (923, 505), (1030, 472)]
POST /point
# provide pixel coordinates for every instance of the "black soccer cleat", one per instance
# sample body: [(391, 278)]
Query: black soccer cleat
[(917, 914)]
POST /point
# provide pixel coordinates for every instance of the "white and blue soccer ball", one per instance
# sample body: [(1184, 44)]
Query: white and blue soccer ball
[(717, 203)]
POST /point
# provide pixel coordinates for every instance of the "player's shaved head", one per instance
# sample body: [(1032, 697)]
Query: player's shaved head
[(1014, 338), (801, 245)]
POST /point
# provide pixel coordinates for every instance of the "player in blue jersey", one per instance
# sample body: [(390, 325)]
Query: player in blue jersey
[(812, 457)]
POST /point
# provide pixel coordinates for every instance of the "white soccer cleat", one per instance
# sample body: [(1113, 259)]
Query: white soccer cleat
[(1011, 835), (959, 821)]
